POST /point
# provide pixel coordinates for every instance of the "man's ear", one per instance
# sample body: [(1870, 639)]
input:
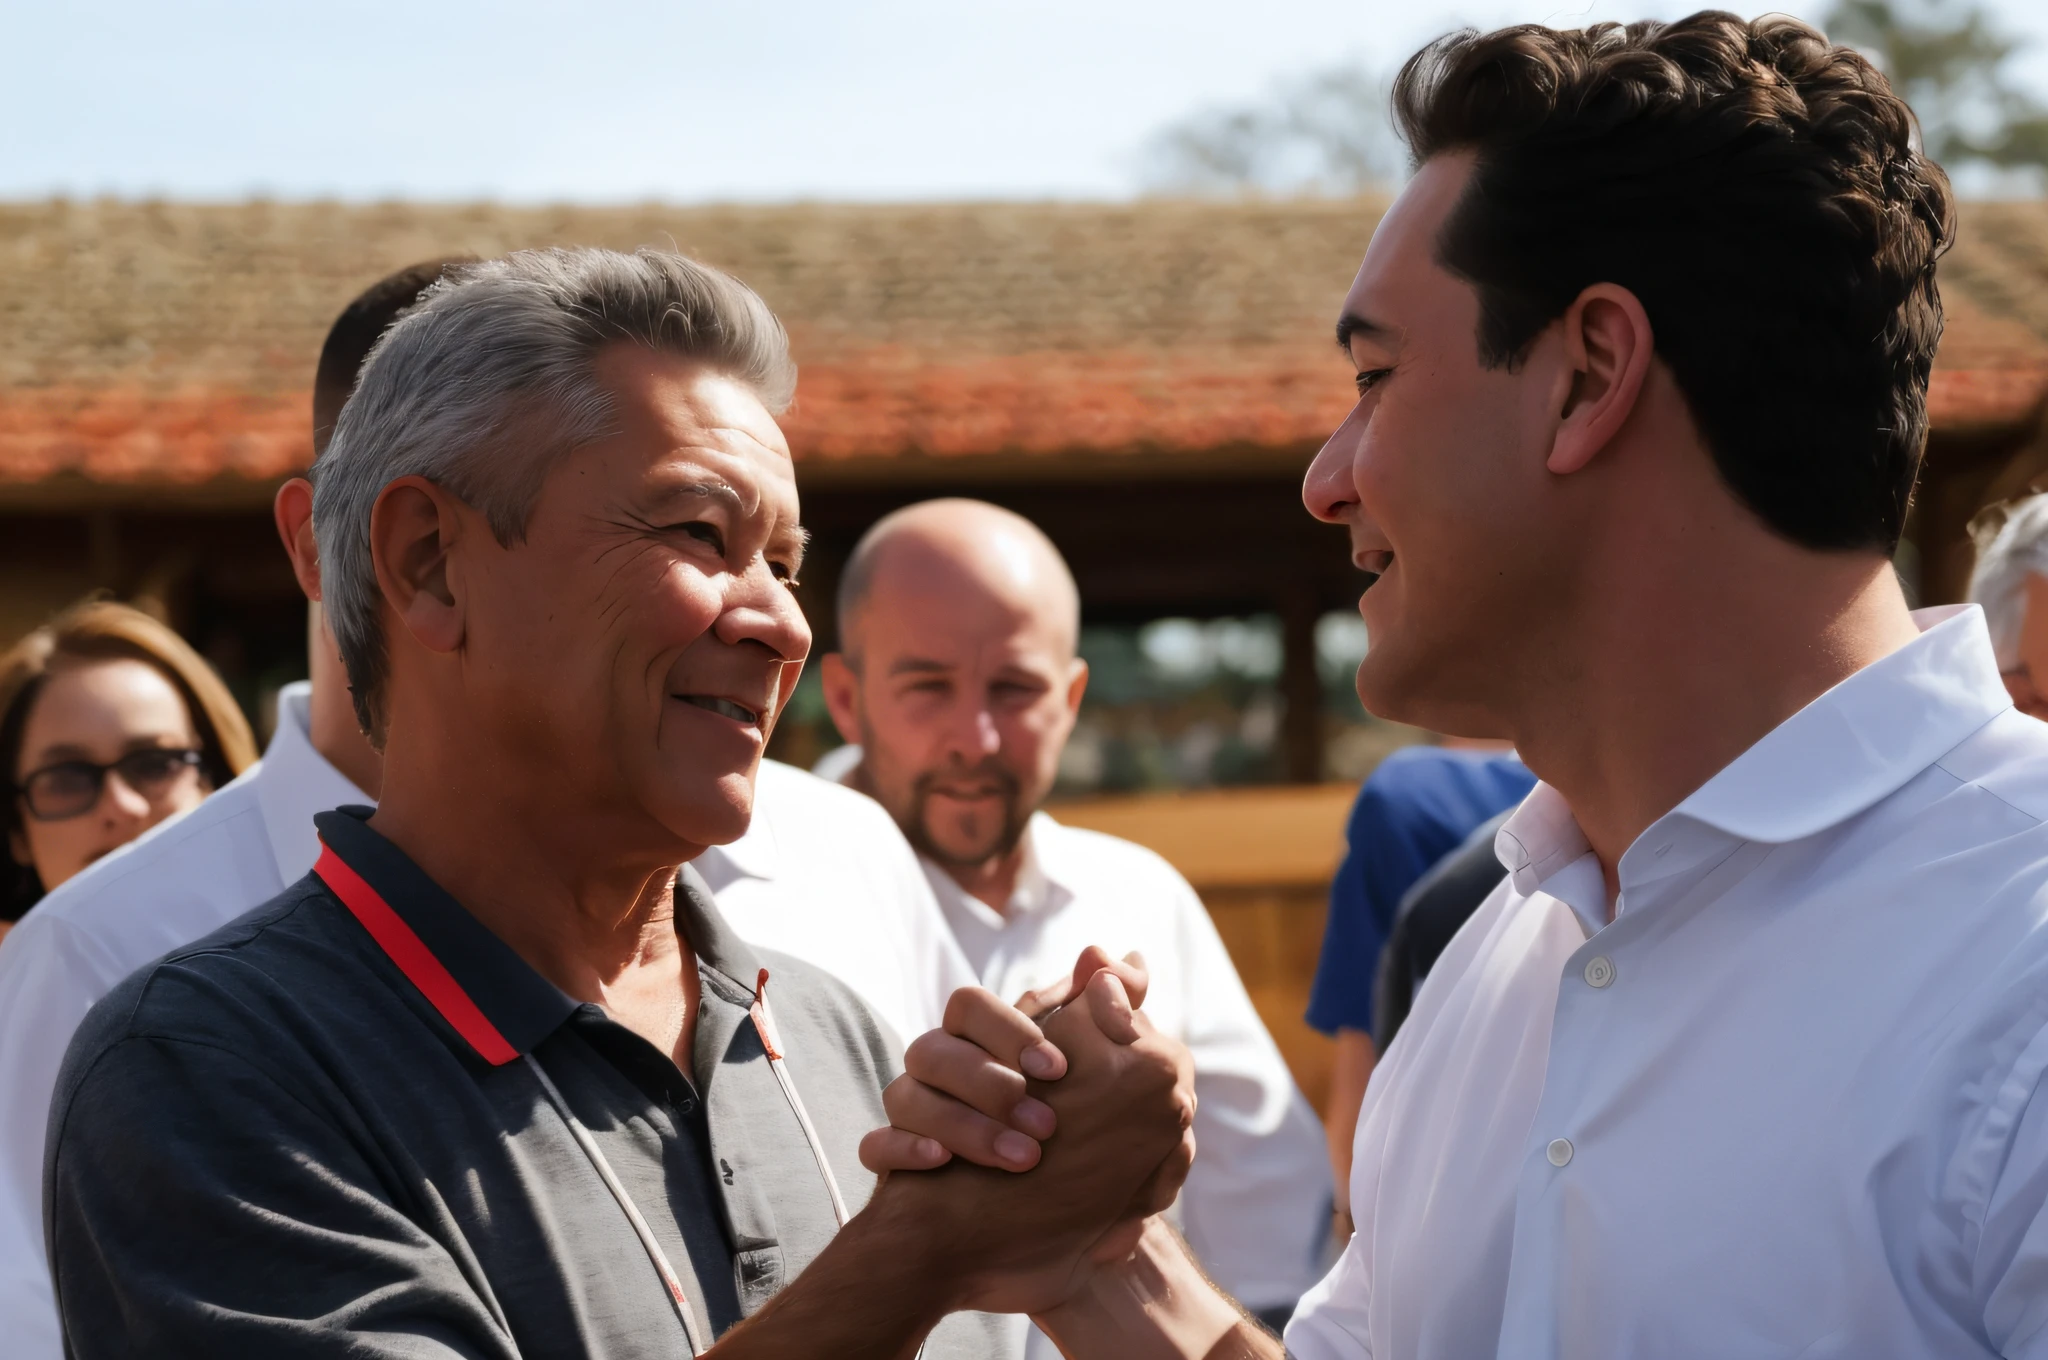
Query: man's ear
[(414, 528), (293, 513), (841, 684), (1077, 685), (1608, 348)]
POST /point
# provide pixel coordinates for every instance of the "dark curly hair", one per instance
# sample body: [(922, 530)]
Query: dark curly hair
[(1759, 192)]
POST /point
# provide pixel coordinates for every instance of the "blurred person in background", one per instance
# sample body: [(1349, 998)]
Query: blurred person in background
[(109, 724), (958, 680), (1432, 911), (2011, 582), (232, 853), (822, 873), (1414, 809)]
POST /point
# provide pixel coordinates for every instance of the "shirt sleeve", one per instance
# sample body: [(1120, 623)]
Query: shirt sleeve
[(49, 978), (2012, 1244), (199, 1208), (1330, 1321), (1256, 1207)]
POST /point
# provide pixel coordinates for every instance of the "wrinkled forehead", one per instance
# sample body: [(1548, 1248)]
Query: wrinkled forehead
[(686, 431)]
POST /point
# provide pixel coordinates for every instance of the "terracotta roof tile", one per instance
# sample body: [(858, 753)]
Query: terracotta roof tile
[(173, 344)]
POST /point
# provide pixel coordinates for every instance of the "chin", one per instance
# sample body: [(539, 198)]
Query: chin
[(714, 812), (1402, 688)]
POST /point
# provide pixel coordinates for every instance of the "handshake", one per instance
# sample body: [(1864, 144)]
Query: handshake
[(1071, 1087), (1030, 1151)]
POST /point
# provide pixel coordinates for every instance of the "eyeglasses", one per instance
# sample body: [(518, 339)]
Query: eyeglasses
[(71, 788)]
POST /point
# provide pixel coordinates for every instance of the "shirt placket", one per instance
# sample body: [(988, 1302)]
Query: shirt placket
[(1597, 1010)]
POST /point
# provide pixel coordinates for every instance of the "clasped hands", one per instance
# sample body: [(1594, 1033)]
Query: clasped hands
[(1049, 1132)]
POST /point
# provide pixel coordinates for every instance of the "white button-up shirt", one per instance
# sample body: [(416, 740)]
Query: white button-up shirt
[(180, 880), (1256, 1206), (824, 875), (1784, 1104)]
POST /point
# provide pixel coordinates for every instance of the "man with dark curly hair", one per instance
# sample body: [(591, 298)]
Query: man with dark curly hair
[(1743, 1057)]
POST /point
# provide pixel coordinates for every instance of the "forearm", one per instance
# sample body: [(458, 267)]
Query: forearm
[(1348, 1077), (1156, 1305), (872, 1294)]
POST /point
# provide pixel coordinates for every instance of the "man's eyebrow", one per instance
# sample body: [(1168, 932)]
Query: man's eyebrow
[(709, 489), (1351, 325), (798, 540), (917, 665)]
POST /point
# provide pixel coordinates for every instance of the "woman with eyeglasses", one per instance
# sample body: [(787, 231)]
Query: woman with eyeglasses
[(109, 723)]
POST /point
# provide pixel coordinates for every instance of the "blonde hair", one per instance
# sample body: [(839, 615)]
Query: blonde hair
[(101, 630)]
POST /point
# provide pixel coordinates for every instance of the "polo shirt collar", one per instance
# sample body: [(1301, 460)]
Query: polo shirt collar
[(500, 1008)]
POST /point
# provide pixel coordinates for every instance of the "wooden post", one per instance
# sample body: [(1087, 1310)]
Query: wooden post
[(1301, 689)]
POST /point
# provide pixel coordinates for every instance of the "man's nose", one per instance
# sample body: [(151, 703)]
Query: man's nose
[(765, 610), (1330, 490), (972, 734)]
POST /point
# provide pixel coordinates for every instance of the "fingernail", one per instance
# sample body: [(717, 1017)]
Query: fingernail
[(1034, 1117), (1041, 1061), (1015, 1148), (933, 1151)]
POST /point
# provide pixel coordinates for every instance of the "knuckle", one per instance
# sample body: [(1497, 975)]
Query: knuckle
[(966, 1004)]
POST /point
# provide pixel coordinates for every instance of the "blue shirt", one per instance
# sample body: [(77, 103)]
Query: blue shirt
[(1417, 807)]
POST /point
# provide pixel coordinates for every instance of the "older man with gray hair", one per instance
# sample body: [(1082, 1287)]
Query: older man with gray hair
[(2011, 583), (496, 1079)]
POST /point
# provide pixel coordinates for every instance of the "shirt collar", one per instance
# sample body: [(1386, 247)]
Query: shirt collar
[(518, 1006), (1862, 740), (294, 782), (1038, 887), (1853, 746)]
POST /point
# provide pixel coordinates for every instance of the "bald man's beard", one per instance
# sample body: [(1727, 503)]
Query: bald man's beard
[(1002, 837)]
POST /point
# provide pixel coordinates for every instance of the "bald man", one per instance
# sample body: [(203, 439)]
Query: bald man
[(959, 680)]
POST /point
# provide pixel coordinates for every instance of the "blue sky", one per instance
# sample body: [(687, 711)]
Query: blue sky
[(615, 100)]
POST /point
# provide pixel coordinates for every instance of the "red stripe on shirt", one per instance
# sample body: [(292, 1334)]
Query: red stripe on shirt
[(413, 958)]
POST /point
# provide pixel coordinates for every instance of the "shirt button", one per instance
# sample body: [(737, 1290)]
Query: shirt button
[(1559, 1152), (1599, 972)]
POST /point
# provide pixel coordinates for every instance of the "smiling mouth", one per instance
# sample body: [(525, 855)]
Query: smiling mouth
[(1375, 564), (724, 708)]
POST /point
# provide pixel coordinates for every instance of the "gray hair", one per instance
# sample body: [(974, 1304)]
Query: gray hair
[(488, 383), (2012, 544)]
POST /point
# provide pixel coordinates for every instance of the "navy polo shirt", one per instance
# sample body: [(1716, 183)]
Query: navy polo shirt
[(1417, 807), (315, 1133)]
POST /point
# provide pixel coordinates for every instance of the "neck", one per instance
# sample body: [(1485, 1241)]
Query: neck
[(332, 729), (589, 910), (993, 881), (1647, 696)]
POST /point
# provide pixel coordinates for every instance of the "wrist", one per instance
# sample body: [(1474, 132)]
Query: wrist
[(901, 1236), (1154, 1304)]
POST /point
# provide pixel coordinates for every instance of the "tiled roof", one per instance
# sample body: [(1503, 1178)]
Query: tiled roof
[(174, 343)]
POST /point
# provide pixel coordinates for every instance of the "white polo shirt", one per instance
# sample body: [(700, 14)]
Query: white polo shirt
[(1256, 1207), (178, 881), (1786, 1103), (824, 874)]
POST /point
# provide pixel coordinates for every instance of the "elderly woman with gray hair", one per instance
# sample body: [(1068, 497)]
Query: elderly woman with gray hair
[(2011, 583)]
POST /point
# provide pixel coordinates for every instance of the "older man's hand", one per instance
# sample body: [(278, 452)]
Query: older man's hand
[(1106, 1133), (964, 1086)]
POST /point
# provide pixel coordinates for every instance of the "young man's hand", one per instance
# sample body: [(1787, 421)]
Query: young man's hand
[(1108, 1134)]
